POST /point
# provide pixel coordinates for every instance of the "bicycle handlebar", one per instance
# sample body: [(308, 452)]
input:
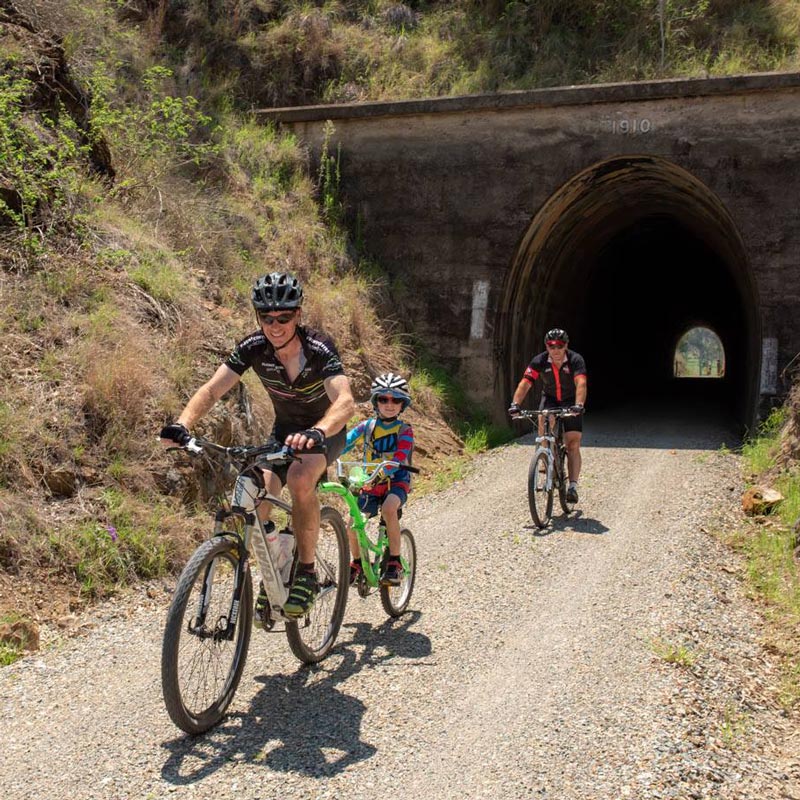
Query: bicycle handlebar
[(271, 453), (366, 478), (544, 412)]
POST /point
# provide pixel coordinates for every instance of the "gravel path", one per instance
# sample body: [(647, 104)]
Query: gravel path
[(527, 668)]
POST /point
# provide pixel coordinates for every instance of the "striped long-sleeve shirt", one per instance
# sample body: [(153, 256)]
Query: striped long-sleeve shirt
[(390, 441)]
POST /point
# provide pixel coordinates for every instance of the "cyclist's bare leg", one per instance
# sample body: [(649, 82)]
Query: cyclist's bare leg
[(389, 509), (302, 483), (572, 440)]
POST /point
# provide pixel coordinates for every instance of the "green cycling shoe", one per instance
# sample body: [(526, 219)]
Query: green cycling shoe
[(302, 595)]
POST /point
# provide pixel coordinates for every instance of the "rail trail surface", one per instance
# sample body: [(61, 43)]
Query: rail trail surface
[(530, 666)]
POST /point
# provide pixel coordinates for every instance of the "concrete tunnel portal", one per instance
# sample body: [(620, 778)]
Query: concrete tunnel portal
[(627, 256)]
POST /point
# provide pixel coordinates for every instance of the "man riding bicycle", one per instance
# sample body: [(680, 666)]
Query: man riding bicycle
[(303, 374), (562, 373)]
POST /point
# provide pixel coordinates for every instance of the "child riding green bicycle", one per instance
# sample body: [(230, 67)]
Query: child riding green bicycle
[(384, 437)]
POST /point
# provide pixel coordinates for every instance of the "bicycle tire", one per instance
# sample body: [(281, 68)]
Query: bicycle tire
[(312, 637), (563, 484), (395, 599), (200, 672), (540, 499)]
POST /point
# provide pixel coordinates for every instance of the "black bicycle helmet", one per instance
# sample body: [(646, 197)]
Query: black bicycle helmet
[(276, 292), (556, 335), (391, 384)]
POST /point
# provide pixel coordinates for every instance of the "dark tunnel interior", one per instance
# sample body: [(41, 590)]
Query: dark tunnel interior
[(649, 285), (628, 256)]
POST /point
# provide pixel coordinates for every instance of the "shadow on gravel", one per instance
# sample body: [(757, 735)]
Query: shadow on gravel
[(576, 523), (655, 425), (301, 723)]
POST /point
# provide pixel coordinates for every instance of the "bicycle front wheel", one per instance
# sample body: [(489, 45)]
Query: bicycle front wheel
[(312, 637), (206, 637), (563, 484), (540, 497), (395, 598)]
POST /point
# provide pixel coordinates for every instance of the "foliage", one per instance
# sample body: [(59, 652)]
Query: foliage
[(39, 170), (151, 133), (759, 451), (116, 551), (296, 53), (330, 177), (771, 548)]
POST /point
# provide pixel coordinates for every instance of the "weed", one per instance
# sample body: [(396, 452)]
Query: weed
[(9, 653), (672, 653), (734, 726)]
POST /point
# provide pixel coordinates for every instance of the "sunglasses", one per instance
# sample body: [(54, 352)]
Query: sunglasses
[(556, 345), (283, 319), (389, 399)]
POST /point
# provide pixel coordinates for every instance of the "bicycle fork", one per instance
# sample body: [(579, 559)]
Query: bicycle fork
[(545, 445)]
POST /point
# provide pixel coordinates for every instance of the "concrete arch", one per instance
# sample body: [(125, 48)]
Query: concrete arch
[(627, 255)]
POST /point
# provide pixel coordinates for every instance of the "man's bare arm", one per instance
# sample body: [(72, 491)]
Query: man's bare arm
[(342, 405), (523, 387), (580, 390), (204, 399)]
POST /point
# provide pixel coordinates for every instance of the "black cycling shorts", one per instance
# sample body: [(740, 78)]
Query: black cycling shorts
[(569, 423)]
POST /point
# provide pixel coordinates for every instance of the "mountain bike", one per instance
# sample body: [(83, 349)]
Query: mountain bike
[(353, 476), (548, 468), (209, 622)]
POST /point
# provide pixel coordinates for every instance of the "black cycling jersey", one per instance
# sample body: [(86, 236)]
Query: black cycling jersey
[(558, 384), (301, 403)]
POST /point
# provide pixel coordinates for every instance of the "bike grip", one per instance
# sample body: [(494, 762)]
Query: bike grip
[(415, 470)]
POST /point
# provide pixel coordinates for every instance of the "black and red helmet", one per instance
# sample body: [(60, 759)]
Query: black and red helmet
[(556, 336)]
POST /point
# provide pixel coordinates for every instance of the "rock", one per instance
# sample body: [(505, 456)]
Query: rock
[(22, 634), (61, 481), (760, 500)]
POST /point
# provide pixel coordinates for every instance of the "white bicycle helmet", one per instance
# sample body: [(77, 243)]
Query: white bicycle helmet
[(391, 384)]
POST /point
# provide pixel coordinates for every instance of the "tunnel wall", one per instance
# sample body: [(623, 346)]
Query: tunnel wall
[(690, 268), (444, 192)]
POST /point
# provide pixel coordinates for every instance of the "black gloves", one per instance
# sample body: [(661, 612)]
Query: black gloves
[(577, 408), (315, 435), (513, 411), (176, 432)]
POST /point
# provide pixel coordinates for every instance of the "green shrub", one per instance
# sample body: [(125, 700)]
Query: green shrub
[(39, 164)]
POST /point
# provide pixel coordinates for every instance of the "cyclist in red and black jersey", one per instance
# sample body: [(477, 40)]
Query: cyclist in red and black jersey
[(302, 372), (562, 373)]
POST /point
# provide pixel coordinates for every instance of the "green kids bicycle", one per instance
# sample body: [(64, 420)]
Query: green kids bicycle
[(352, 477)]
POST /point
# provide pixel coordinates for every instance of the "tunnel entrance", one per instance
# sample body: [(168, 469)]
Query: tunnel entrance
[(627, 256)]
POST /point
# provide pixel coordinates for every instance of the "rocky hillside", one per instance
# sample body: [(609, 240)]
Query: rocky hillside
[(132, 224)]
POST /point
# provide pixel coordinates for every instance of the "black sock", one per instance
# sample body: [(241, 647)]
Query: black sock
[(301, 567)]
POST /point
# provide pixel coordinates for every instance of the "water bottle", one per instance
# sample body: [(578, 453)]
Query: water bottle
[(286, 552)]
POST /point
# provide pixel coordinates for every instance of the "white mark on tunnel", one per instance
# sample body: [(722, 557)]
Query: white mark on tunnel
[(769, 365), (480, 301)]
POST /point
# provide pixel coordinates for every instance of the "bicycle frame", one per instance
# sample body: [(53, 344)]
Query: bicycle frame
[(551, 441), (241, 505), (359, 522)]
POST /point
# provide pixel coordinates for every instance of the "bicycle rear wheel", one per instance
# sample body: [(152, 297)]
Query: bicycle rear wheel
[(540, 498), (312, 637), (206, 637), (563, 483), (395, 598)]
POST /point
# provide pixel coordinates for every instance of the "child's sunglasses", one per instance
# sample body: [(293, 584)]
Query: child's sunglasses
[(384, 398)]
